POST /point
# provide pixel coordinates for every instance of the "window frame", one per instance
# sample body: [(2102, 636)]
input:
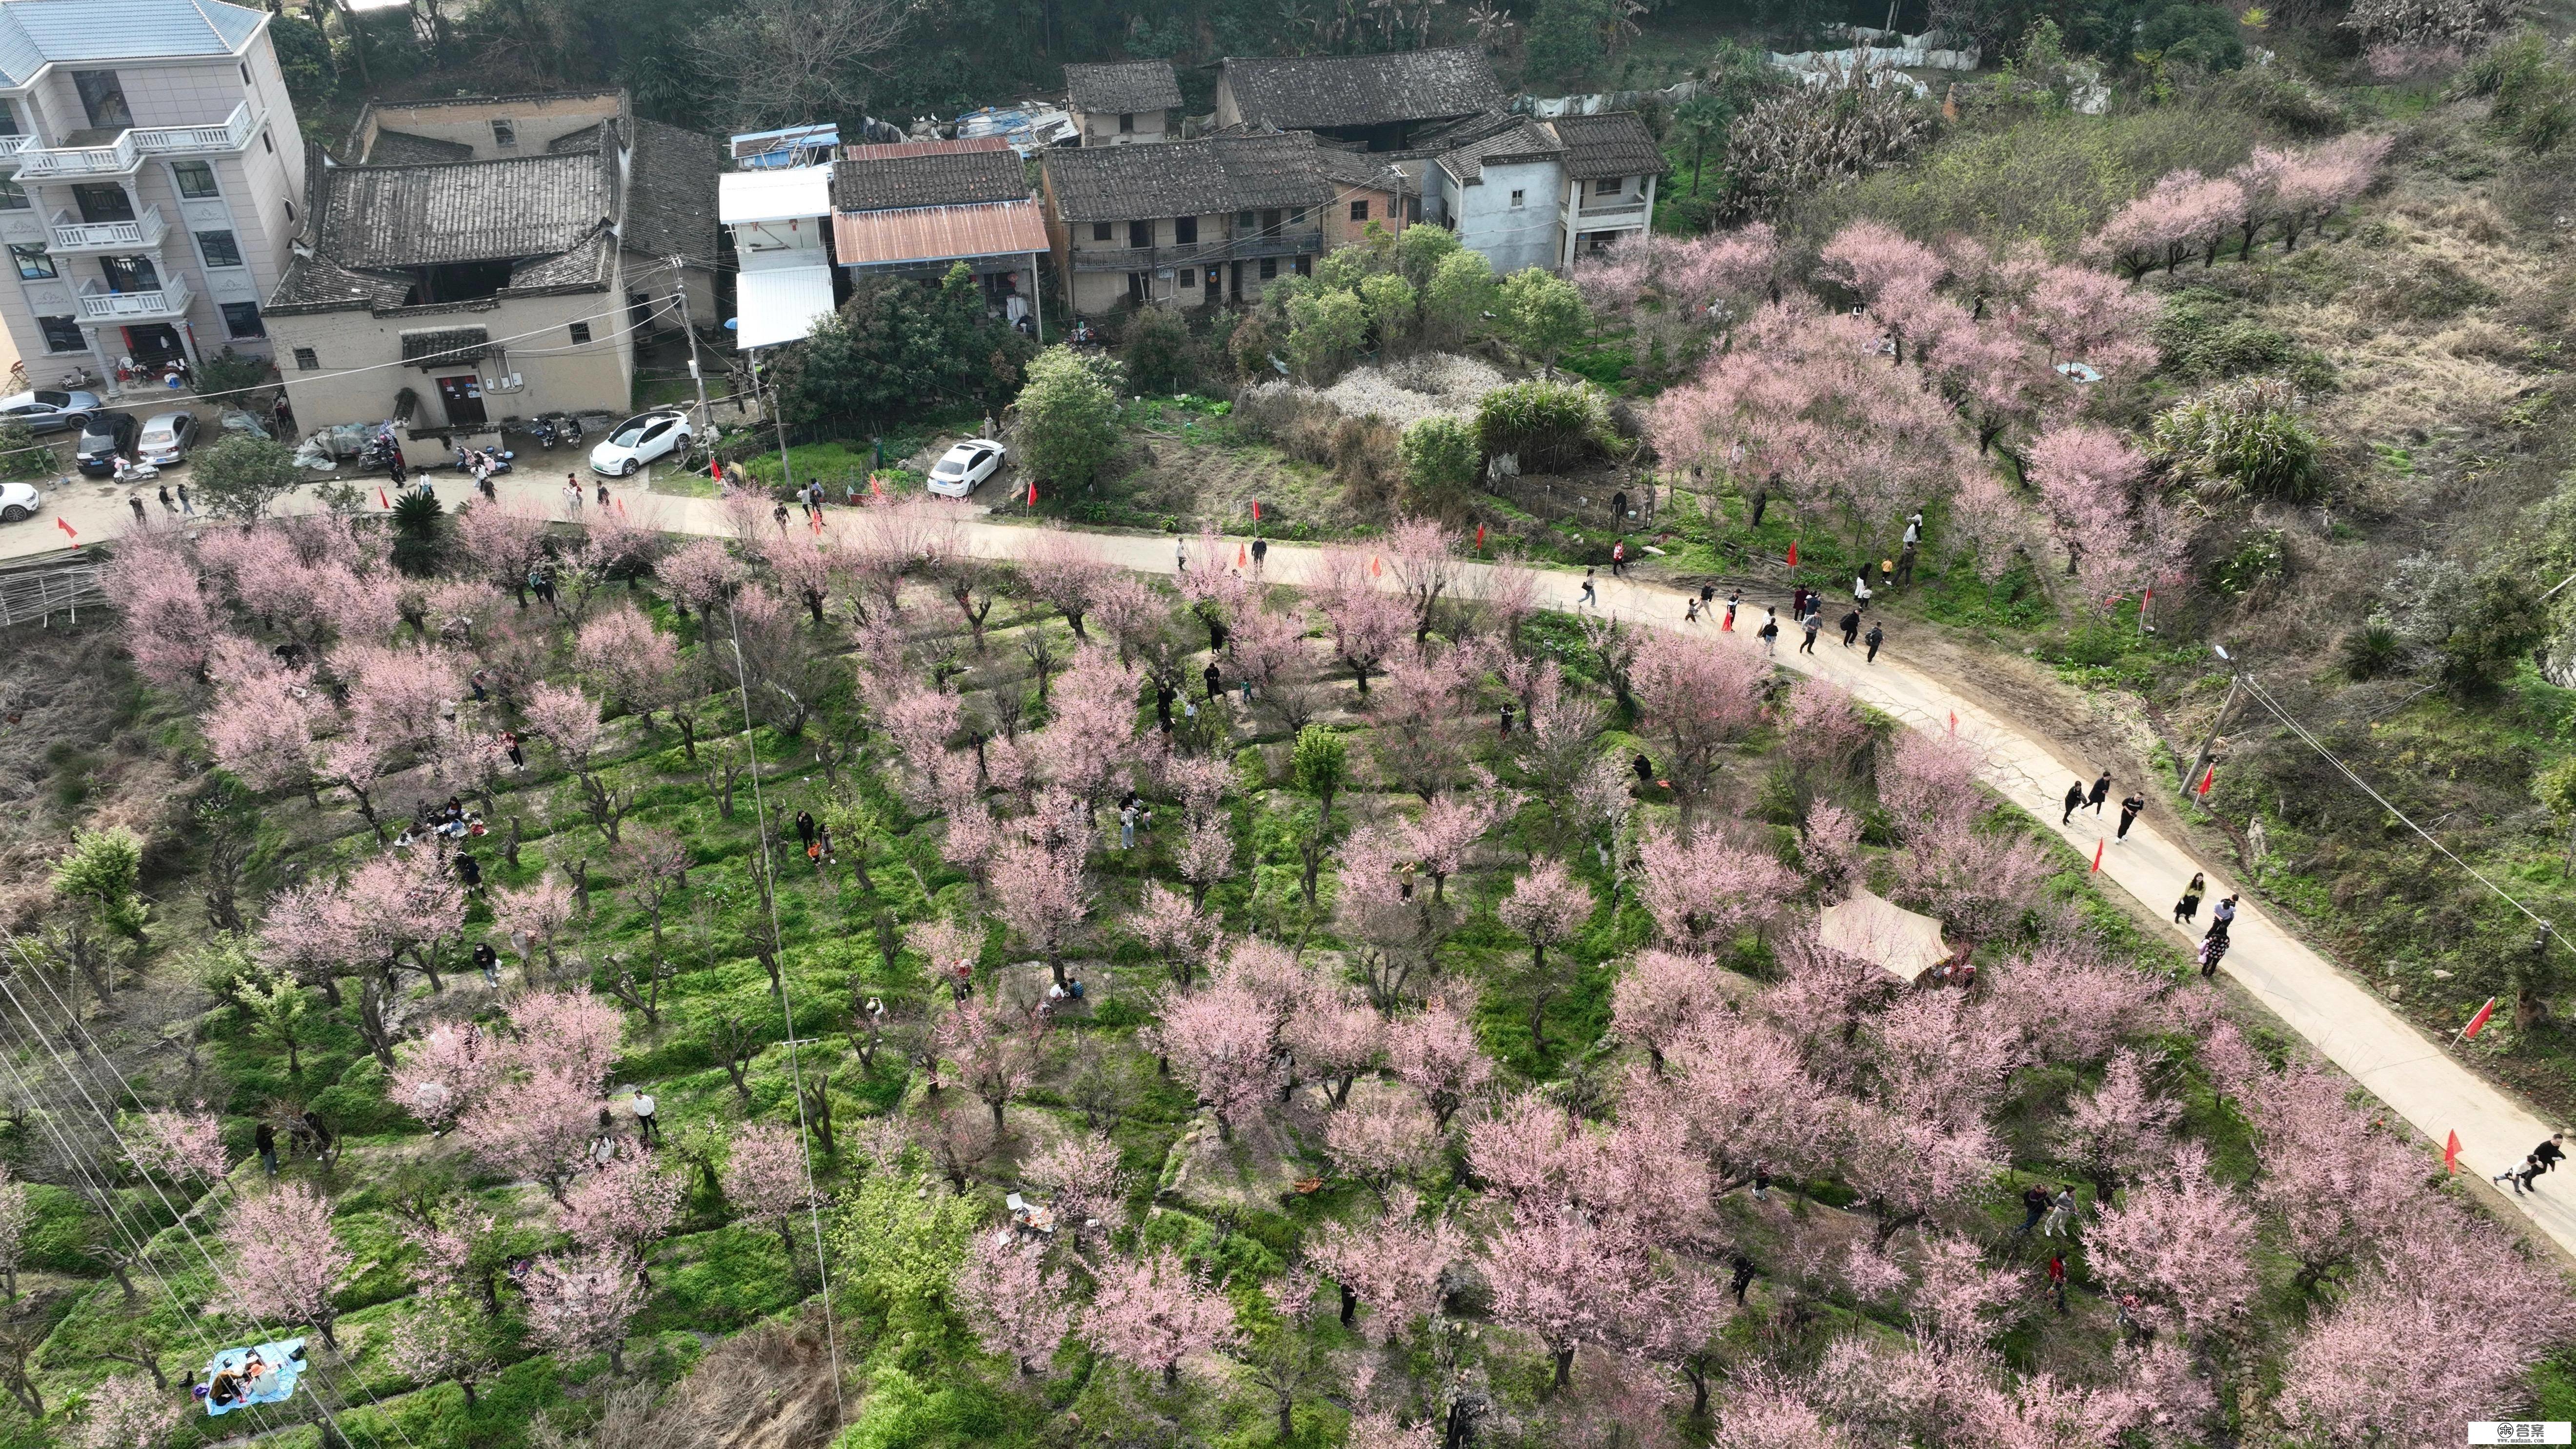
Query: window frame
[(1126, 123), (505, 132), (179, 173), (1140, 236), (1189, 279), (307, 360), (1520, 196), (231, 240), (1102, 231), (45, 330), (1269, 269), (82, 87), (580, 332), (232, 324), (10, 189), (23, 253), (1185, 231), (1360, 209)]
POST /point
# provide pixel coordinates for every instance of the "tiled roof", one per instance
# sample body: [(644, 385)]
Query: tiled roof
[(584, 266), (382, 217), (318, 284), (1617, 144), (1186, 178), (1134, 85), (878, 178), (1316, 92), (33, 32), (1523, 140), (402, 148), (937, 233), (1359, 169), (446, 344), (671, 194), (588, 138)]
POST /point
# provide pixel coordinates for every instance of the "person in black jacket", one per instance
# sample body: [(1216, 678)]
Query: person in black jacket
[(2074, 802)]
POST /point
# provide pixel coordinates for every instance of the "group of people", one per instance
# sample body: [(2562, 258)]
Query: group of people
[(2539, 1160), (304, 1131), (2080, 798), (816, 839)]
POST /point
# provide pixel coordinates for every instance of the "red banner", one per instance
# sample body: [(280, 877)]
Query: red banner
[(2478, 1023), (1793, 553), (2451, 1154)]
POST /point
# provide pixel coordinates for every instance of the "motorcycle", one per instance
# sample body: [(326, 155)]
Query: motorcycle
[(129, 471), (492, 460), (556, 429)]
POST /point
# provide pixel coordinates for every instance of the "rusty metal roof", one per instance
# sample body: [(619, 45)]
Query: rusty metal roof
[(892, 149), (937, 233)]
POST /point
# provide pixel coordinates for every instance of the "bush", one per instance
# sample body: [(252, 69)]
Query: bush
[(1161, 356), (22, 454), (228, 374), (2205, 338), (1068, 416), (1544, 313), (1462, 293), (1251, 347), (897, 348), (1391, 306), (1548, 425), (2245, 439), (2503, 624), (1440, 456), (1420, 251), (1565, 38), (1324, 330), (2258, 559), (2372, 651), (2531, 87), (241, 475), (418, 523)]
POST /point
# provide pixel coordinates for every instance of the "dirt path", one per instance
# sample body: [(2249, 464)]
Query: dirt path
[(2017, 727)]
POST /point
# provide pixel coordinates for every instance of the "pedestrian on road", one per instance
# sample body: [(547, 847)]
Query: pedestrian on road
[(2034, 1206), (1905, 565), (135, 502), (2550, 1153), (2101, 792), (1813, 623), (1732, 601), (1180, 555), (1591, 598), (1215, 681), (779, 513), (186, 507), (571, 499), (2522, 1177), (2061, 1215), (2213, 949), (1798, 602), (2222, 915), (1127, 827), (603, 495), (2129, 809), (1873, 639), (2187, 909), (2074, 802), (643, 1107), (1260, 551), (398, 472), (1619, 559), (168, 504), (1690, 611), (1851, 627), (1770, 634), (488, 961), (1708, 598)]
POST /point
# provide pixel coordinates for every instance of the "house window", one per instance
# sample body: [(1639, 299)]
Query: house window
[(196, 179), (1305, 266), (1140, 233), (9, 119), (267, 144), (63, 334), (1269, 268), (1189, 278), (581, 332), (305, 361), (290, 211), (505, 133), (13, 197), (245, 70), (1100, 231), (219, 248), (1518, 197), (1243, 221), (1359, 211), (102, 98), (241, 319), (1185, 230), (1126, 122), (33, 264)]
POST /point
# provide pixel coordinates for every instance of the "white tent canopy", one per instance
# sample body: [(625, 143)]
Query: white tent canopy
[(1879, 931)]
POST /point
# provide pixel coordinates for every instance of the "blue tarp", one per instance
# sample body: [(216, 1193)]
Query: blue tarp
[(281, 1362)]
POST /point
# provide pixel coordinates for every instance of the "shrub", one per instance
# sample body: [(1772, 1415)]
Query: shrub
[(2372, 651), (1390, 306), (2531, 88), (1440, 456), (2259, 558), (418, 522), (1068, 416), (1811, 136), (2243, 439), (2501, 627), (1543, 312), (228, 374), (22, 455), (1547, 425), (1324, 330), (1160, 354), (2205, 338), (1462, 292), (241, 475), (1251, 346), (1420, 251)]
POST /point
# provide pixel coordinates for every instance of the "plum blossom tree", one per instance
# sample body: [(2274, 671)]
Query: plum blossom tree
[(285, 1261), (1435, 1051), (1392, 1265), (1698, 698), (2120, 1124), (627, 1206), (1060, 570), (1384, 1137), (1223, 1040), (1567, 1281), (533, 917), (1017, 1304), (1662, 995), (2341, 1189), (1897, 280), (1083, 1173), (2183, 1242), (440, 1338), (180, 1145), (766, 1183), (2182, 214), (1547, 907), (1368, 623), (580, 1304), (699, 576), (1703, 891), (1151, 1313), (995, 1058), (125, 1411), (626, 659), (1334, 1035)]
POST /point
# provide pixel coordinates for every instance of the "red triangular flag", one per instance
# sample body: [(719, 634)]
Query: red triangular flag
[(2097, 855), (877, 484), (2478, 1022), (2149, 599), (715, 469), (2207, 780), (1033, 493), (1256, 510), (1954, 721), (1793, 553), (65, 525), (1480, 538), (387, 502), (1376, 569), (2451, 1154), (1242, 556), (621, 507)]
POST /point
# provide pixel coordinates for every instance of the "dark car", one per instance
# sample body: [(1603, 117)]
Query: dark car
[(49, 411), (107, 435)]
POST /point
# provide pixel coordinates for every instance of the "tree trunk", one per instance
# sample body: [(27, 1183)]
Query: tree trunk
[(1350, 1305), (1564, 1368)]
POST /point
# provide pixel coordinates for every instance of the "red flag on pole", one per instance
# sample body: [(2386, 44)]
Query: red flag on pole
[(621, 507), (65, 525), (2451, 1154), (2097, 855), (1256, 510), (2206, 781), (1793, 553), (387, 502), (1954, 721), (2478, 1022), (1033, 493), (1480, 538)]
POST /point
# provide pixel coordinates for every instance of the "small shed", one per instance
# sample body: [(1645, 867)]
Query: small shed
[(1874, 929)]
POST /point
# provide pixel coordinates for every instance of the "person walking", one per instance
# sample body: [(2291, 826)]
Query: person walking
[(1690, 611), (265, 1140), (1886, 573), (2074, 802), (2522, 1177), (804, 827), (1812, 624), (2213, 949), (1761, 1181), (1619, 559), (1733, 600), (135, 502), (1591, 598), (1215, 681), (1163, 706), (1905, 565), (1914, 530), (2034, 1206), (2061, 1215), (397, 472), (1260, 551), (488, 961), (1770, 635), (2101, 793), (2187, 909), (778, 513), (2057, 1281), (169, 505), (1507, 719), (2550, 1153), (469, 872), (643, 1106), (1180, 555), (1851, 627), (1860, 588), (2222, 916), (186, 507), (603, 495), (571, 497), (1873, 639), (2129, 808), (1127, 826), (1708, 598)]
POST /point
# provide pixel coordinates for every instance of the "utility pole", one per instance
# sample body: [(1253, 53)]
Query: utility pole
[(680, 291), (2209, 742)]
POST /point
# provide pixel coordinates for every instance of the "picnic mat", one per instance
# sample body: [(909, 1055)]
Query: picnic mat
[(284, 1360)]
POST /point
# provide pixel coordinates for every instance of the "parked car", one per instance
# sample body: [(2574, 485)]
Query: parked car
[(107, 435), (17, 500), (166, 439), (48, 411), (969, 463), (638, 441)]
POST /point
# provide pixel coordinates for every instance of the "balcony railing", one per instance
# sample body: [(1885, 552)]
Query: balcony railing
[(121, 157), (1633, 207), (70, 235), (98, 304), (1199, 254)]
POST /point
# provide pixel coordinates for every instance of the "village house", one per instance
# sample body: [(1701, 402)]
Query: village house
[(779, 219), (1368, 190), (1386, 103), (1114, 105), (1531, 193), (154, 181), (917, 208), (490, 259), (1186, 222)]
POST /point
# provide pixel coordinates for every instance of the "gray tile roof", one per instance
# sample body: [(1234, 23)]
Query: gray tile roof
[(1522, 140), (588, 138), (315, 283), (402, 148), (1325, 91), (33, 32), (1359, 169), (377, 217), (671, 194), (584, 267), (1186, 178), (446, 344), (1599, 147), (1133, 85), (880, 181)]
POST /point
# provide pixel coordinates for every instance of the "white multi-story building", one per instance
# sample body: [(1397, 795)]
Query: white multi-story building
[(154, 178), (1534, 193)]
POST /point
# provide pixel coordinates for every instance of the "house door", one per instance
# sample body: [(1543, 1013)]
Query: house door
[(130, 274), (464, 399), (153, 344), (1137, 292), (103, 202)]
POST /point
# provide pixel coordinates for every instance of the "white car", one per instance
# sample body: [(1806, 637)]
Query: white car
[(638, 441), (969, 463), (17, 500), (166, 439)]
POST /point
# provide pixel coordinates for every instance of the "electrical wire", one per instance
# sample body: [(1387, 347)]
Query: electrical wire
[(2264, 697), (795, 1076)]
